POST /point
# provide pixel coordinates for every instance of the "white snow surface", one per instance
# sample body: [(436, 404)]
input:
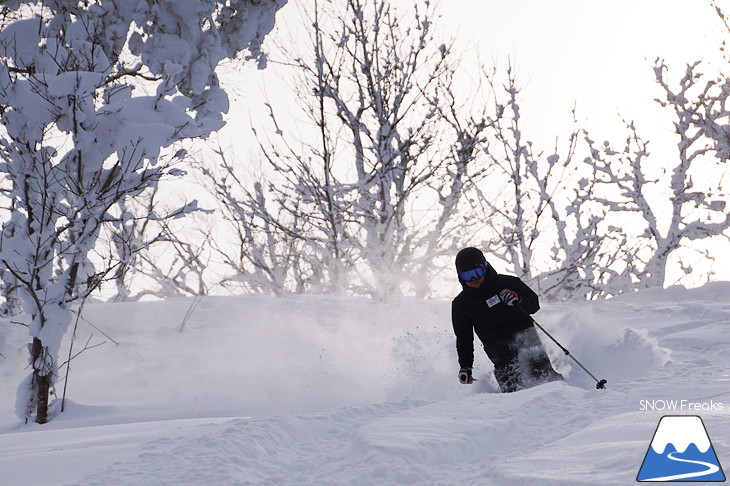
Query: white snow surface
[(319, 390)]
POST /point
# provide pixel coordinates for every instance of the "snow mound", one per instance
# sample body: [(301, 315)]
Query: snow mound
[(339, 391)]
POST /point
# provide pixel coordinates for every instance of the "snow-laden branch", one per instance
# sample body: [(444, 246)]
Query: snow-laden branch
[(695, 208), (92, 95)]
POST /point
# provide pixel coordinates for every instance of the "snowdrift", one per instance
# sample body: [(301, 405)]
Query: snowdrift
[(337, 391)]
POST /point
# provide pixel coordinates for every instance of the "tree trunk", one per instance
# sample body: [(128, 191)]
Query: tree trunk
[(41, 381)]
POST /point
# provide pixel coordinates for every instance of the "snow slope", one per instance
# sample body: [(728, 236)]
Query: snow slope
[(342, 391)]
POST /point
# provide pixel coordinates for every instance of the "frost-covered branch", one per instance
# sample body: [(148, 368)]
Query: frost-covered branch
[(696, 206), (539, 206), (365, 203)]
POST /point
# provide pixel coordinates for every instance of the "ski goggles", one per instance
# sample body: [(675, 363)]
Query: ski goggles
[(473, 274)]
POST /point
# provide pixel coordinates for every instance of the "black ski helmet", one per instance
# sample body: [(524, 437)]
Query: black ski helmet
[(469, 258)]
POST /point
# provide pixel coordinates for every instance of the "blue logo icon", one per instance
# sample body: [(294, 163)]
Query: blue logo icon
[(681, 451)]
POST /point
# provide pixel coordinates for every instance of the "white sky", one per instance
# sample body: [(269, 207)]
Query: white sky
[(596, 54)]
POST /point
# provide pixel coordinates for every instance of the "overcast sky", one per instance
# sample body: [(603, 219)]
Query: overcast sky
[(597, 54)]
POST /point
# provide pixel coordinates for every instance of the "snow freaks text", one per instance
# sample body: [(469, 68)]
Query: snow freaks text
[(680, 406)]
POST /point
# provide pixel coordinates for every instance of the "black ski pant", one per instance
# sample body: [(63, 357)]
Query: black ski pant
[(520, 361)]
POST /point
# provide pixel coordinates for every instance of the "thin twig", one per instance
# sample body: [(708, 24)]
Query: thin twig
[(86, 347), (70, 350), (92, 325), (190, 311)]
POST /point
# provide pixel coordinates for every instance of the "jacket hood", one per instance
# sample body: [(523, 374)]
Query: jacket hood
[(469, 258)]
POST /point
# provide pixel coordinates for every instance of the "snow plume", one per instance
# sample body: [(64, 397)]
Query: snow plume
[(93, 93), (602, 345)]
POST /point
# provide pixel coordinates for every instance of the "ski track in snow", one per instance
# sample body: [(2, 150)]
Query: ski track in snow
[(404, 443), (359, 413)]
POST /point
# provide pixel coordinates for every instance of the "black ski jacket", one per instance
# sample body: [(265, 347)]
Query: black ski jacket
[(482, 311)]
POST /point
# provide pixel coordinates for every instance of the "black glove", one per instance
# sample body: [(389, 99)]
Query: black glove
[(509, 297), (465, 376)]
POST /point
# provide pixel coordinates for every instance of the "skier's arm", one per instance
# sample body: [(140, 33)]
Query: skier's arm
[(530, 301), (464, 332)]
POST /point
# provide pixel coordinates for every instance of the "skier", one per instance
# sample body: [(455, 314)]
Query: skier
[(496, 307)]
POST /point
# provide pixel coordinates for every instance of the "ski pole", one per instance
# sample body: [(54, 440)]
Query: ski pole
[(600, 384)]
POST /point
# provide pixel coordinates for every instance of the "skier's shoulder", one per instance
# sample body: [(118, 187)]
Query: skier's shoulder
[(459, 299), (466, 300), (507, 280), (513, 283)]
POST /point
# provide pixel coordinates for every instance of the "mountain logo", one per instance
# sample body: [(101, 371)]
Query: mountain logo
[(681, 451)]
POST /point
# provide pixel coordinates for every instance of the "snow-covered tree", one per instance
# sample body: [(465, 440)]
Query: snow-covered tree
[(160, 256), (369, 199), (10, 301), (686, 201), (91, 95), (538, 217), (716, 120), (262, 247)]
